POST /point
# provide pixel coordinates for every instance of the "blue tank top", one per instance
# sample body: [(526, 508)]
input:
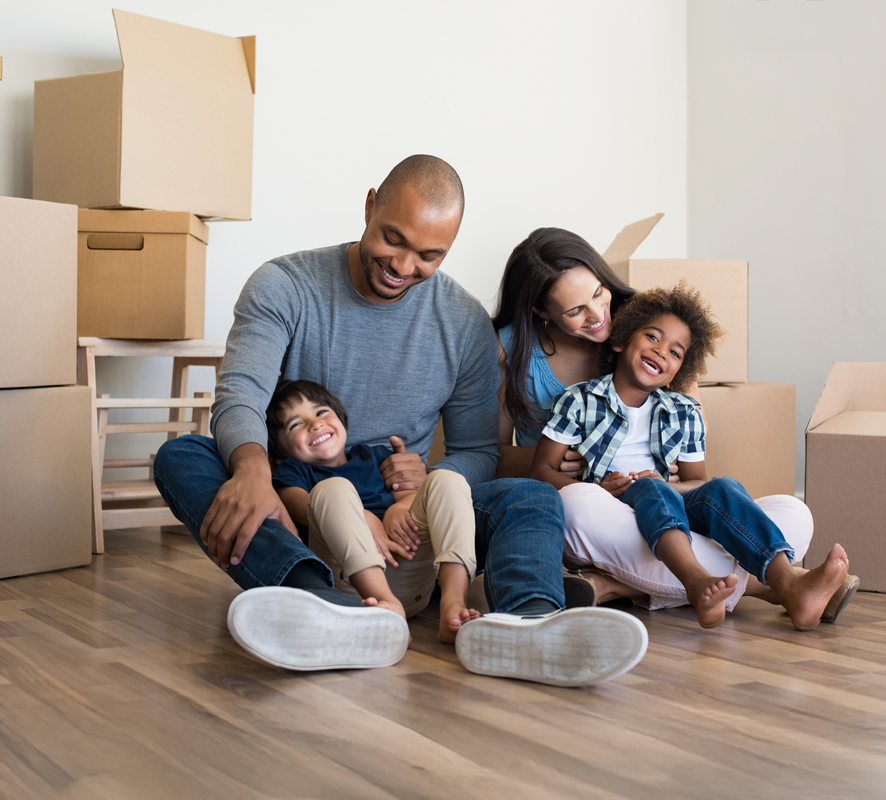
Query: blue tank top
[(542, 387)]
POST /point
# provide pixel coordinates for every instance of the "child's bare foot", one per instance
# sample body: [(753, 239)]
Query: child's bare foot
[(708, 599), (452, 617), (390, 603), (805, 597)]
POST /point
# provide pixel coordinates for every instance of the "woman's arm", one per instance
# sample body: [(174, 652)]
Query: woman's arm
[(692, 475), (546, 464)]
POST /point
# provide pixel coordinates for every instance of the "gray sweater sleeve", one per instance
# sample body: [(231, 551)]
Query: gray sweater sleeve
[(470, 416), (256, 345)]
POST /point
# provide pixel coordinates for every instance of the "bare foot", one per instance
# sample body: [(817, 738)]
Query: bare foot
[(806, 596), (390, 603), (708, 599), (452, 617)]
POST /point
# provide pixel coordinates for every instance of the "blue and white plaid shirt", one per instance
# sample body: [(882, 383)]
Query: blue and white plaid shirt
[(590, 412)]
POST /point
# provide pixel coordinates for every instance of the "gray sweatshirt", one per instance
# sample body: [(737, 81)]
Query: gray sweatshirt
[(396, 367)]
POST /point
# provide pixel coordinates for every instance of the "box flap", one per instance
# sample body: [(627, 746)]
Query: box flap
[(855, 423), (249, 52), (187, 53), (630, 238), (850, 387), (97, 221)]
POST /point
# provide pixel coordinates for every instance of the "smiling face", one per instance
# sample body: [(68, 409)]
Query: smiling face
[(405, 240), (578, 304), (651, 358), (311, 433)]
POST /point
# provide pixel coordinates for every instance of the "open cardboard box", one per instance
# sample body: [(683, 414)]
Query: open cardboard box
[(141, 274), (751, 435), (723, 284), (845, 458), (38, 303), (171, 130)]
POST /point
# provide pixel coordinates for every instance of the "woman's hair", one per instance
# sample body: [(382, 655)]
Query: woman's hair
[(536, 264), (683, 302), (297, 391)]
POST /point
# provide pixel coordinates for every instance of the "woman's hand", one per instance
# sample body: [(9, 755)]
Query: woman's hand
[(674, 469), (573, 465)]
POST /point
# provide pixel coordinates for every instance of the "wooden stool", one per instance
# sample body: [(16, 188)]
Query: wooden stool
[(144, 505)]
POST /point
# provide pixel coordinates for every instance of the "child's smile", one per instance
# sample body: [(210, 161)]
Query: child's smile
[(313, 434), (651, 359)]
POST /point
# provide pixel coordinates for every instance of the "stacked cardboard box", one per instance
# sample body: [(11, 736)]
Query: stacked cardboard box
[(45, 472), (171, 133), (753, 447)]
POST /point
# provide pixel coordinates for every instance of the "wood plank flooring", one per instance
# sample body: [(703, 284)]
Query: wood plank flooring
[(120, 681)]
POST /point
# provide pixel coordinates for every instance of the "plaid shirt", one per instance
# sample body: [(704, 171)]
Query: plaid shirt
[(590, 412)]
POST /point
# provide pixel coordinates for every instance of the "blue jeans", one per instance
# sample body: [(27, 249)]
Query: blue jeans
[(720, 509), (519, 536)]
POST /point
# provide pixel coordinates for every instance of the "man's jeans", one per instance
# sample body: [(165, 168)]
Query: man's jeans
[(519, 536), (720, 509)]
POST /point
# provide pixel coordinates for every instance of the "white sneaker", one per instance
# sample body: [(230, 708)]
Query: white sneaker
[(572, 647), (294, 629)]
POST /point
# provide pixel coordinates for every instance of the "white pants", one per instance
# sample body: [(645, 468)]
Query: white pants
[(601, 530)]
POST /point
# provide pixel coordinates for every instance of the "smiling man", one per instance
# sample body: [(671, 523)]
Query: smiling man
[(402, 345)]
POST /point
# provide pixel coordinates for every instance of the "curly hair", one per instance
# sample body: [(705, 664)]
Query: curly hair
[(683, 302), (296, 391)]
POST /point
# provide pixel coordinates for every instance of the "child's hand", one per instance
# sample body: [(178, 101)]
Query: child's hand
[(616, 483), (386, 548), (401, 528), (646, 473)]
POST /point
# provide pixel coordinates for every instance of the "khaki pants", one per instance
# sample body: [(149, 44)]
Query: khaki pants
[(443, 511)]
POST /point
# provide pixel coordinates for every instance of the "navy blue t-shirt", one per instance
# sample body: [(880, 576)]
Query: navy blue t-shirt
[(361, 469)]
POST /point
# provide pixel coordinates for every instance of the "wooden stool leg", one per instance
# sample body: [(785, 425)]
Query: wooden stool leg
[(100, 433)]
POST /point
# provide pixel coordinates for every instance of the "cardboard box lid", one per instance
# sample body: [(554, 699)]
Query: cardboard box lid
[(165, 47), (859, 386), (855, 423), (631, 237), (102, 221)]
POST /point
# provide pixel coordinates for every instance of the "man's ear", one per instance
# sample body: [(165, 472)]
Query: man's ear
[(370, 205)]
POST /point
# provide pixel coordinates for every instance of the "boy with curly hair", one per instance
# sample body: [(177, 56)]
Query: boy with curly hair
[(633, 423)]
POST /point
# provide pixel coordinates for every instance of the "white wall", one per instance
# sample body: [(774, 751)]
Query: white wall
[(554, 113), (787, 125)]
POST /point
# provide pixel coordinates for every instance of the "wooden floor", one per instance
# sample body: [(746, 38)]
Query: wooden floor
[(119, 681)]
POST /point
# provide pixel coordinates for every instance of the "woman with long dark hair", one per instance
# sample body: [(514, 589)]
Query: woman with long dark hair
[(555, 307)]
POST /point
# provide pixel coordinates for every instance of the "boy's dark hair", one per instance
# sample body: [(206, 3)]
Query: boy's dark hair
[(297, 390), (683, 302)]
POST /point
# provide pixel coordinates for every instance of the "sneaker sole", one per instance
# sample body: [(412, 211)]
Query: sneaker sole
[(296, 630), (576, 647)]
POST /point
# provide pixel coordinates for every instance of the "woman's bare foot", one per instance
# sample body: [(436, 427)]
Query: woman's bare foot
[(452, 617), (708, 598), (805, 596)]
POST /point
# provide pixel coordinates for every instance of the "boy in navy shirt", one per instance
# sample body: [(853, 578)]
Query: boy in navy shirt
[(356, 526)]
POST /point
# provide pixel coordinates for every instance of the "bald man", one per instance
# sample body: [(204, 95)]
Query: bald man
[(402, 345)]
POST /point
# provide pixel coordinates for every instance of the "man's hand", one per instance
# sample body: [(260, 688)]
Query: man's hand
[(242, 504), (403, 471), (573, 465), (401, 527), (385, 546)]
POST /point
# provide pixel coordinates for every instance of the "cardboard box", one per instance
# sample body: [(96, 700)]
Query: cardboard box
[(723, 284), (845, 458), (141, 274), (38, 306), (751, 435), (45, 479), (171, 130)]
